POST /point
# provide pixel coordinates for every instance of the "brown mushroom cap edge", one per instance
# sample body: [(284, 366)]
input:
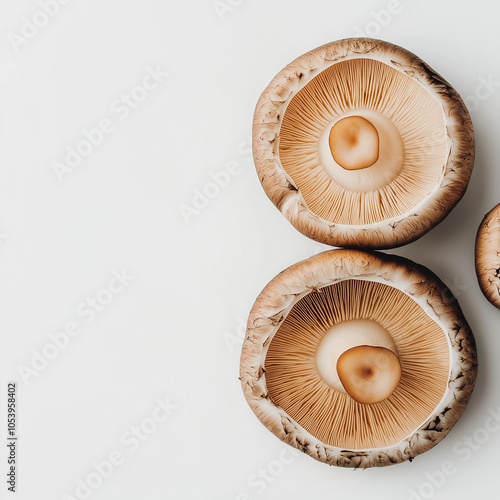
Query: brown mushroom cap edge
[(488, 256)]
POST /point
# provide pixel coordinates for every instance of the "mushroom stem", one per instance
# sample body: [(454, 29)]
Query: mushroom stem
[(369, 374), (354, 143)]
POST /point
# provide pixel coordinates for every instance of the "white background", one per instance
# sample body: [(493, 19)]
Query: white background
[(174, 331)]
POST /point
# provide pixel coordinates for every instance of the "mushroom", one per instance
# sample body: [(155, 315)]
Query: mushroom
[(488, 256), (360, 144), (358, 359)]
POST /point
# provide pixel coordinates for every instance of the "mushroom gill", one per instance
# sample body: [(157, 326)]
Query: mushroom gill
[(327, 325), (364, 142)]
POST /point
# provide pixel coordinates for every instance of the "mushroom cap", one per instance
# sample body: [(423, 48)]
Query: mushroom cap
[(426, 144), (303, 305), (488, 256)]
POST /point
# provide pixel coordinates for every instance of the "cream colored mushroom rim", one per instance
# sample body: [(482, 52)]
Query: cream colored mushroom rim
[(273, 306), (397, 204)]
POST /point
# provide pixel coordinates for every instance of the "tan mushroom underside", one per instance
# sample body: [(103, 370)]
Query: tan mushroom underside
[(399, 108), (296, 385), (488, 256), (425, 136), (299, 294)]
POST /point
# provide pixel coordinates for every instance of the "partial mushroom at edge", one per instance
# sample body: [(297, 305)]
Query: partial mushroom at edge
[(488, 256)]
